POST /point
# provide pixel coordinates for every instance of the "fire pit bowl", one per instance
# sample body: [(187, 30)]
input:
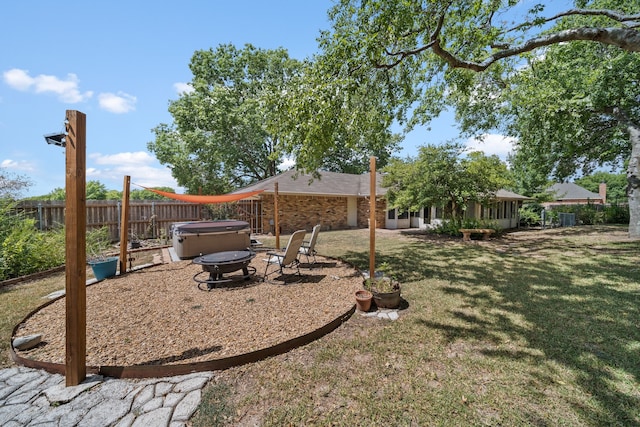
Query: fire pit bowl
[(219, 263)]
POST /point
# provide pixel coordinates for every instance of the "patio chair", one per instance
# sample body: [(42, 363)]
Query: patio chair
[(308, 248), (286, 259)]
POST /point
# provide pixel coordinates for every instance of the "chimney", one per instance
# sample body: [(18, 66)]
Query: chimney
[(602, 190)]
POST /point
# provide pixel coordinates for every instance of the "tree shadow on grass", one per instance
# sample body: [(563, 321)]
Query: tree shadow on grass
[(580, 308), (581, 316)]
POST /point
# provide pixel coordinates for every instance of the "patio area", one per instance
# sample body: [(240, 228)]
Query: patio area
[(158, 316)]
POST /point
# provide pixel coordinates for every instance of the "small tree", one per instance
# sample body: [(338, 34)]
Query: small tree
[(444, 176)]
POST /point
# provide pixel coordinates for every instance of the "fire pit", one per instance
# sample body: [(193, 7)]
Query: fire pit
[(219, 263)]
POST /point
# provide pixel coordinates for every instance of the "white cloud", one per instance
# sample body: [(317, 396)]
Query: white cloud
[(491, 144), (140, 166), (20, 166), (183, 87), (67, 89), (286, 164), (117, 103)]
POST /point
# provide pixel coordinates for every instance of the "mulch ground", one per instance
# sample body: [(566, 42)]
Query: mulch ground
[(159, 316)]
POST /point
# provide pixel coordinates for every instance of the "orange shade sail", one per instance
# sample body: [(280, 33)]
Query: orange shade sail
[(203, 199)]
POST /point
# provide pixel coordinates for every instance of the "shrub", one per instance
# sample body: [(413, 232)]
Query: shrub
[(616, 214), (452, 228), (530, 215), (26, 250)]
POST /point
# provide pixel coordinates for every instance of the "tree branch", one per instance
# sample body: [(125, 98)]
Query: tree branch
[(618, 17), (433, 38), (626, 39)]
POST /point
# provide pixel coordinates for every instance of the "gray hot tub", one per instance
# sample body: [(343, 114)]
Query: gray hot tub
[(192, 239)]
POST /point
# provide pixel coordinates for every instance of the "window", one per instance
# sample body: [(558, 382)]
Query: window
[(438, 212), (391, 214), (403, 215)]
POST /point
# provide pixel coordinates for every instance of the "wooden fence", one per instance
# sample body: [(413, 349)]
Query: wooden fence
[(148, 219)]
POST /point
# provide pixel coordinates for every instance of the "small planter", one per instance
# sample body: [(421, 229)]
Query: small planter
[(363, 300), (103, 268), (387, 299)]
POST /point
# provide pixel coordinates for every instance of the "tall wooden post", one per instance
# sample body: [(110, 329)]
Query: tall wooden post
[(276, 221), (75, 248), (124, 224), (372, 217)]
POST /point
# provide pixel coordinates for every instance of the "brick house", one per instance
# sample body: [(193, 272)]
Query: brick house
[(340, 201), (569, 193), (337, 201)]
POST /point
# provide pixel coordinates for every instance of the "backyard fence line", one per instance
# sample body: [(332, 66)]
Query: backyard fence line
[(148, 219)]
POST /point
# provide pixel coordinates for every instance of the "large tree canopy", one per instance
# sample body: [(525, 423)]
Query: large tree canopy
[(220, 138), (236, 126), (421, 56)]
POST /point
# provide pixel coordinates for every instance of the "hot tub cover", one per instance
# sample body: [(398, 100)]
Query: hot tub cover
[(198, 227)]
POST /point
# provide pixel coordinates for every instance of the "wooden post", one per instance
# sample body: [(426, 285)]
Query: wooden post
[(276, 221), (124, 224), (372, 217), (75, 249)]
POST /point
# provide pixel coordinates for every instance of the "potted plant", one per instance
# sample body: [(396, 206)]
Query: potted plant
[(102, 265), (134, 241), (384, 287)]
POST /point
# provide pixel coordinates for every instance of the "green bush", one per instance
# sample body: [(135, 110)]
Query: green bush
[(26, 250), (587, 214), (452, 228), (530, 215), (616, 214)]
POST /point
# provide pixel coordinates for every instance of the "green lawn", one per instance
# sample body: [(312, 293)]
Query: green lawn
[(535, 328), (540, 330)]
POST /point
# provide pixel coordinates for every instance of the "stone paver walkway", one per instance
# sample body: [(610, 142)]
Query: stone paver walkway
[(32, 397)]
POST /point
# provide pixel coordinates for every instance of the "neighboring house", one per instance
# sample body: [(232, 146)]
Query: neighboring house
[(504, 211), (340, 201), (569, 193)]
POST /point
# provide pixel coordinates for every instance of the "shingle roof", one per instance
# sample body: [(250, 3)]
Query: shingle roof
[(510, 195), (571, 191), (329, 184)]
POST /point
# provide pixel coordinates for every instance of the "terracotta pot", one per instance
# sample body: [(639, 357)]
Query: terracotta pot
[(363, 300)]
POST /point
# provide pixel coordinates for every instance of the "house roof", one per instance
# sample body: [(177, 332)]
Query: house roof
[(328, 184), (510, 195), (571, 191)]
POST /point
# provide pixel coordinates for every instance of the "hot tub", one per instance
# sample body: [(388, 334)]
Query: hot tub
[(192, 239)]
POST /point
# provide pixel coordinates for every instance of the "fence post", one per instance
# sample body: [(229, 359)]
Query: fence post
[(40, 216), (119, 212)]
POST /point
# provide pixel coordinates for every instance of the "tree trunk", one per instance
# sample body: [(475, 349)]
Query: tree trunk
[(633, 178)]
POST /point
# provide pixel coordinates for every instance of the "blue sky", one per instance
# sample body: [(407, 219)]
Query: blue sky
[(120, 63)]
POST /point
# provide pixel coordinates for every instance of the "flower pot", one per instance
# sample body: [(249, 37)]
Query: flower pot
[(104, 268), (387, 299), (363, 300)]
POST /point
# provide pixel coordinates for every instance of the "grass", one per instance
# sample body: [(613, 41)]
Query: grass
[(537, 331), (534, 332), (16, 301)]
